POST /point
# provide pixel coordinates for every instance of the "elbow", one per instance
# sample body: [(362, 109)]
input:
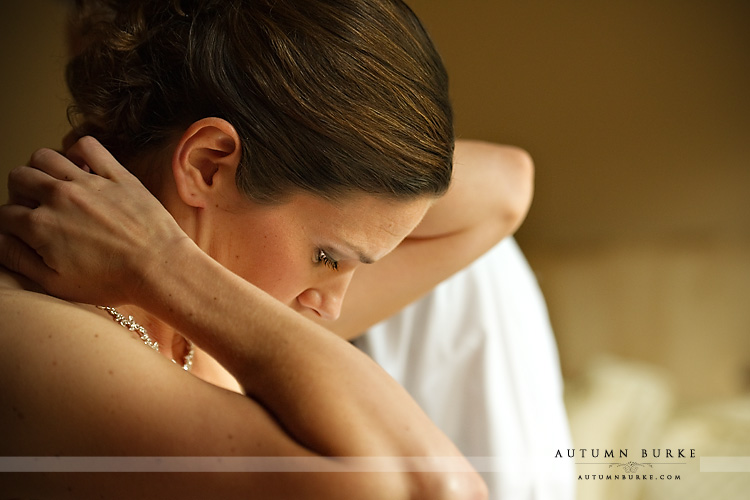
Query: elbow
[(519, 191), (466, 485), (526, 190)]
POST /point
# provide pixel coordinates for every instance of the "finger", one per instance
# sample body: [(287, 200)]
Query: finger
[(17, 221), (17, 199), (29, 186), (19, 258), (89, 152), (55, 164), (68, 141)]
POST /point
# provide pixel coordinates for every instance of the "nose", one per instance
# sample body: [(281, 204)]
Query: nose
[(326, 299)]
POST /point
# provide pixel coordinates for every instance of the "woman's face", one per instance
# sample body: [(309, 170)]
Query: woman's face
[(305, 251)]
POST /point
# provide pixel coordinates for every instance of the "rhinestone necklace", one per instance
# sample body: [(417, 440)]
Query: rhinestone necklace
[(129, 323)]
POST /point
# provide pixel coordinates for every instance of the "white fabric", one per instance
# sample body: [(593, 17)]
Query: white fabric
[(479, 356)]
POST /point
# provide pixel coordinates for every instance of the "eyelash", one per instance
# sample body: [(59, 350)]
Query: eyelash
[(326, 260)]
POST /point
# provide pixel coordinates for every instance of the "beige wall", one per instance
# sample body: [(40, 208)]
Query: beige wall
[(638, 116), (32, 90), (637, 112)]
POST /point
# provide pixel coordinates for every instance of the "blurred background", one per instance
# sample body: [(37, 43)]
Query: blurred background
[(637, 114)]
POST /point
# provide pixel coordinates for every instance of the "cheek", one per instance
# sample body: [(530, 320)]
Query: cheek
[(280, 281), (275, 267)]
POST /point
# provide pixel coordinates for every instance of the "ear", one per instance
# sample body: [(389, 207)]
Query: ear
[(205, 160)]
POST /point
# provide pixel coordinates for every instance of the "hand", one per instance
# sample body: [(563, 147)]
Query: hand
[(83, 227)]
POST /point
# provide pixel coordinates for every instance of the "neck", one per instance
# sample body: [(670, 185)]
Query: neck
[(172, 344)]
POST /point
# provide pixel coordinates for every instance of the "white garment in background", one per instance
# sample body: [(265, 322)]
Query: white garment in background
[(479, 356)]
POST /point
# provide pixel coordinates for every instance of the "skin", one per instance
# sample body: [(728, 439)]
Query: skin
[(277, 248), (488, 199), (250, 341)]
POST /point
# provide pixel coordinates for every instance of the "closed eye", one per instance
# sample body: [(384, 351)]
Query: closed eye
[(322, 257)]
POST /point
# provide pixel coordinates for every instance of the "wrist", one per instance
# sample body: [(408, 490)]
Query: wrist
[(155, 272), (186, 288)]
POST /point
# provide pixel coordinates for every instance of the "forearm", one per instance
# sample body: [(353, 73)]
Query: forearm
[(87, 240), (488, 199), (328, 395)]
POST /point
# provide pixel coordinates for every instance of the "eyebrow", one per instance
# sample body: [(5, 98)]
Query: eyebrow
[(363, 257)]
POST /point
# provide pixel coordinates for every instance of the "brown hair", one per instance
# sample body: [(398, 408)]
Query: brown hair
[(327, 96)]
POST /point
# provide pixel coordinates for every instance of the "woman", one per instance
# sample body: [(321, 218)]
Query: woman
[(292, 143)]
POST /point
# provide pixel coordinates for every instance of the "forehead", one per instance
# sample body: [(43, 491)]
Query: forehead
[(374, 225)]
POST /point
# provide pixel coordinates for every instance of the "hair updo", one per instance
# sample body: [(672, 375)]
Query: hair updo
[(327, 96)]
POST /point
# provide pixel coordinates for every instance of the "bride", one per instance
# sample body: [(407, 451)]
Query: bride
[(285, 145)]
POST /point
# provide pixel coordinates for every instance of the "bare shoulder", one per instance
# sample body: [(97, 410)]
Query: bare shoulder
[(72, 377), (62, 367), (34, 326), (76, 384)]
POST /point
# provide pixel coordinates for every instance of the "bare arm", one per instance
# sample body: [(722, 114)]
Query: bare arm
[(77, 384), (489, 197), (312, 393)]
